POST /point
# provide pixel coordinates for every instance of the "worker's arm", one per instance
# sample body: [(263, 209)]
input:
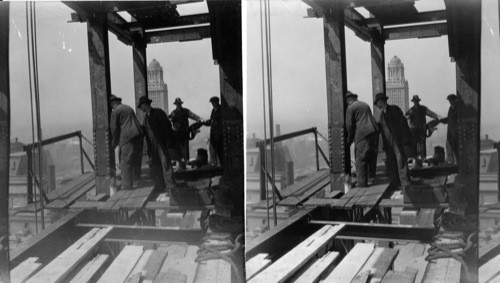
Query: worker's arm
[(194, 116), (432, 114)]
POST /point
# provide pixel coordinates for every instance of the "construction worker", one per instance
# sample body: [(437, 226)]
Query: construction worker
[(452, 134), (180, 123), (395, 134), (161, 142), (363, 130), (215, 123), (417, 121), (126, 132)]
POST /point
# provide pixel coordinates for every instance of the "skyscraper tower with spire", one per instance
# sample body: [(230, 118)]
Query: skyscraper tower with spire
[(157, 88), (396, 85)]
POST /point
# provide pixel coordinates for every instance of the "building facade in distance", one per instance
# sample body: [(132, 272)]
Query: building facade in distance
[(396, 85), (157, 88)]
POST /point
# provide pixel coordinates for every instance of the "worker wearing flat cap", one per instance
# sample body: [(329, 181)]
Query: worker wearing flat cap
[(215, 123), (417, 120), (180, 121), (161, 143), (395, 134), (363, 130), (127, 133), (452, 134)]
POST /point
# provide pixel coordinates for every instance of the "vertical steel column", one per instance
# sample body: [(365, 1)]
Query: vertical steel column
[(29, 155), (316, 143), (140, 72), (263, 177), (100, 85), (81, 151), (378, 70), (336, 86), (4, 142)]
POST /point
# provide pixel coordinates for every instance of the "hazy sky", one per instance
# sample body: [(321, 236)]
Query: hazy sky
[(188, 68), (298, 67)]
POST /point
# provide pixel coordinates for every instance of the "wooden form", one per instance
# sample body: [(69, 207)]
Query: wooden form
[(62, 265), (285, 266)]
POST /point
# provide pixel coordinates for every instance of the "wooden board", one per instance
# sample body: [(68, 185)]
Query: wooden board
[(84, 204), (121, 201), (314, 272), (323, 202), (256, 264), (63, 264), (400, 203), (25, 270), (213, 271), (180, 259), (362, 277), (489, 270), (64, 202), (425, 217), (138, 198), (112, 200), (352, 263), (90, 271), (372, 196), (74, 184), (443, 269), (413, 256), (154, 264), (343, 200), (284, 267), (360, 192), (171, 277), (294, 200), (123, 264), (400, 277), (141, 263), (313, 179), (379, 262)]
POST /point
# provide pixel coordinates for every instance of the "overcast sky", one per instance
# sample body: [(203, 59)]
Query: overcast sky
[(188, 69), (298, 67)]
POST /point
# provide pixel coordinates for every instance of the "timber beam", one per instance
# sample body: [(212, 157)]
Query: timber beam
[(419, 31), (175, 35)]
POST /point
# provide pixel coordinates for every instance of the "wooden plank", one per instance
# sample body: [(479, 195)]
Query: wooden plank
[(333, 202), (180, 260), (61, 202), (443, 269), (213, 271), (362, 277), (345, 198), (352, 263), (170, 278), (141, 263), (91, 270), (99, 197), (25, 270), (294, 200), (154, 265), (318, 268), (489, 270), (412, 256), (137, 278), (123, 264), (400, 203), (425, 217), (138, 198), (360, 192), (372, 196), (74, 184), (84, 204), (112, 200), (379, 262), (62, 265), (256, 264), (400, 277), (284, 267), (311, 180), (121, 201)]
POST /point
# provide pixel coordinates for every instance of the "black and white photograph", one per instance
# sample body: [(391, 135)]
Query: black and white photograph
[(121, 141), (371, 141)]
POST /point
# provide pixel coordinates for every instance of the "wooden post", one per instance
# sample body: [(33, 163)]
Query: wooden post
[(4, 142), (100, 84), (140, 72), (336, 86)]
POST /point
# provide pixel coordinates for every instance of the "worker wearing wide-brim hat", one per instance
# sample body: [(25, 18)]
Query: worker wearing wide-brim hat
[(126, 132), (180, 121), (395, 134), (215, 123), (161, 143), (417, 120), (362, 129), (452, 133)]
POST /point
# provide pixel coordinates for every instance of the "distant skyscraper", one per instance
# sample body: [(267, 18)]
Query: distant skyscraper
[(157, 89), (396, 85)]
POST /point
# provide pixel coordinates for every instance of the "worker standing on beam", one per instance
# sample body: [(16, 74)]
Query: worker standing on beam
[(215, 124), (396, 134), (416, 116), (452, 134), (180, 121), (161, 142), (126, 132), (363, 130)]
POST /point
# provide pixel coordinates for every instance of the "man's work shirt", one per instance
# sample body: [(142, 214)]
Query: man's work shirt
[(124, 125), (359, 121)]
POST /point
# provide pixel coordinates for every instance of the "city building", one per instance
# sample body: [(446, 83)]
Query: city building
[(157, 88), (396, 85)]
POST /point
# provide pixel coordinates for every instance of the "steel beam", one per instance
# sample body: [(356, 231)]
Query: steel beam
[(100, 88), (336, 86), (117, 25), (378, 70), (4, 142), (372, 3), (419, 31), (431, 16), (188, 20), (140, 72), (175, 35)]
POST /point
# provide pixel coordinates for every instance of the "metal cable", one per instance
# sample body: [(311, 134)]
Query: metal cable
[(264, 111)]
